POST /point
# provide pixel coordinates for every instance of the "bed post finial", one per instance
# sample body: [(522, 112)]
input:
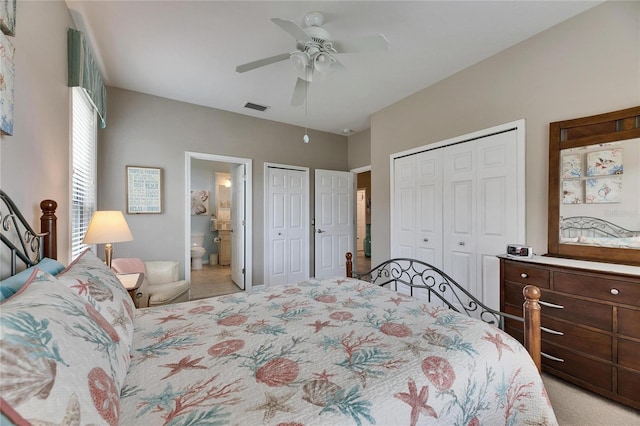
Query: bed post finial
[(48, 224), (531, 311), (349, 264)]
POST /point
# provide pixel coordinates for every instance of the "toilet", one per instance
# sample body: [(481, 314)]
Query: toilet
[(197, 251)]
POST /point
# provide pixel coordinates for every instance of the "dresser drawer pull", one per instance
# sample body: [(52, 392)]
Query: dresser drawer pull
[(552, 358), (551, 331), (551, 305), (524, 275), (615, 291)]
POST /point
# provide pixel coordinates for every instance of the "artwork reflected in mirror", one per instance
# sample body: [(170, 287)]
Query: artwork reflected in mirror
[(600, 204), (594, 187)]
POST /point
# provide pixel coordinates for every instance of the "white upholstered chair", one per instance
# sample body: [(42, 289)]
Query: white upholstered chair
[(161, 283)]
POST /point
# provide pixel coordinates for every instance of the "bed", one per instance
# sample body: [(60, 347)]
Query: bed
[(344, 350), (597, 232)]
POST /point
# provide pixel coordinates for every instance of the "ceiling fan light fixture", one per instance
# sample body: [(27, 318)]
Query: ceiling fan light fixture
[(322, 62), (300, 60), (302, 63)]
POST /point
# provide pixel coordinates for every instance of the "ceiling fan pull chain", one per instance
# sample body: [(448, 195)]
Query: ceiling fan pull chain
[(305, 138)]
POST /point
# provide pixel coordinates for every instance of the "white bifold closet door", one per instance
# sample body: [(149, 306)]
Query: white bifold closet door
[(287, 226), (456, 207)]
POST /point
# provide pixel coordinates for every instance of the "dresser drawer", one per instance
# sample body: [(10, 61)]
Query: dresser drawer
[(629, 354), (598, 373), (576, 310), (598, 287), (576, 338), (628, 385), (522, 273), (629, 322), (554, 305)]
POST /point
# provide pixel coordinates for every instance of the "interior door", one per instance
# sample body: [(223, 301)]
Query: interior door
[(238, 217), (334, 221)]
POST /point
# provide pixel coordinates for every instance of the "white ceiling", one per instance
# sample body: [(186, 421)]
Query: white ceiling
[(188, 50)]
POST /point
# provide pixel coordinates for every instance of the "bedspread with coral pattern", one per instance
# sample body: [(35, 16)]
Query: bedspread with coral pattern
[(330, 352)]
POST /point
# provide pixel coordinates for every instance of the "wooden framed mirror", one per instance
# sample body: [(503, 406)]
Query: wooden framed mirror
[(594, 187)]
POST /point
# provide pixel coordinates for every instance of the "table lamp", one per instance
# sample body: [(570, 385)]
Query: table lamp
[(107, 227)]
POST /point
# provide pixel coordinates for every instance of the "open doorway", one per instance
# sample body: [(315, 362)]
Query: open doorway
[(363, 219), (217, 224)]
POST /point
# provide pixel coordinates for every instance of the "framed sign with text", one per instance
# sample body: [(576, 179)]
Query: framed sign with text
[(144, 190)]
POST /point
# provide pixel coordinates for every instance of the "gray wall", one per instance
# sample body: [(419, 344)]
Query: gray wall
[(145, 130), (587, 65), (360, 149), (34, 162)]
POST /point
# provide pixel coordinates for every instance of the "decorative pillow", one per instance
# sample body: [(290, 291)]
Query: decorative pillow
[(9, 286), (128, 265), (90, 278), (61, 362)]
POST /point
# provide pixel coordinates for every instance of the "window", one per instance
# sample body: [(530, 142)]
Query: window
[(84, 164)]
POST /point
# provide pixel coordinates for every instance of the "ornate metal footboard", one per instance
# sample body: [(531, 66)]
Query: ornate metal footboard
[(24, 243), (440, 287)]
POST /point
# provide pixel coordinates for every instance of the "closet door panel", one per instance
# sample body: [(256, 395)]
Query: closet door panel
[(497, 209), (278, 257), (428, 239), (296, 230), (404, 208), (459, 219)]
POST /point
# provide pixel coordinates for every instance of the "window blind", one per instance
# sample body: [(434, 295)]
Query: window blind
[(84, 163)]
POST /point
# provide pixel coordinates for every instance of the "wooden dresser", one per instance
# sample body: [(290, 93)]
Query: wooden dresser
[(590, 321)]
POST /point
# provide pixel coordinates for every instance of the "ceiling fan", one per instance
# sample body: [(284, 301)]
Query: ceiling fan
[(315, 51)]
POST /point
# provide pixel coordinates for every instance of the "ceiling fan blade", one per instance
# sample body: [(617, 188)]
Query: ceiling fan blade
[(292, 28), (262, 62), (374, 43), (299, 92)]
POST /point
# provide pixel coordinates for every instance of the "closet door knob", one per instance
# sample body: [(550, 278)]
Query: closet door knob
[(615, 291), (461, 243), (524, 275), (426, 240)]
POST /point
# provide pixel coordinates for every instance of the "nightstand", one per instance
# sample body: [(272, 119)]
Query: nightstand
[(131, 282)]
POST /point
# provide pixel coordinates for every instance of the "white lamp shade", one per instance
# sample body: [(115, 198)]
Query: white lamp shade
[(107, 226)]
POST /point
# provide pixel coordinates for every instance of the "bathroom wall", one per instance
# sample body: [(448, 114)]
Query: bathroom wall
[(203, 178)]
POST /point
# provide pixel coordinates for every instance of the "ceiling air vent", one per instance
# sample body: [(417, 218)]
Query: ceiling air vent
[(256, 106)]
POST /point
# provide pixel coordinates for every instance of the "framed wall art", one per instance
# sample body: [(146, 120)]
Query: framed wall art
[(8, 17), (200, 202), (7, 77), (144, 190)]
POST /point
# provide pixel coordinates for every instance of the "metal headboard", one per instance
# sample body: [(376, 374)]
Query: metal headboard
[(22, 240), (577, 226)]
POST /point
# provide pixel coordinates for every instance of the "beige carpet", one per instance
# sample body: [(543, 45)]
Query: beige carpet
[(576, 407)]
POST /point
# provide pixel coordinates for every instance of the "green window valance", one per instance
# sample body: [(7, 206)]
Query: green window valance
[(83, 72)]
